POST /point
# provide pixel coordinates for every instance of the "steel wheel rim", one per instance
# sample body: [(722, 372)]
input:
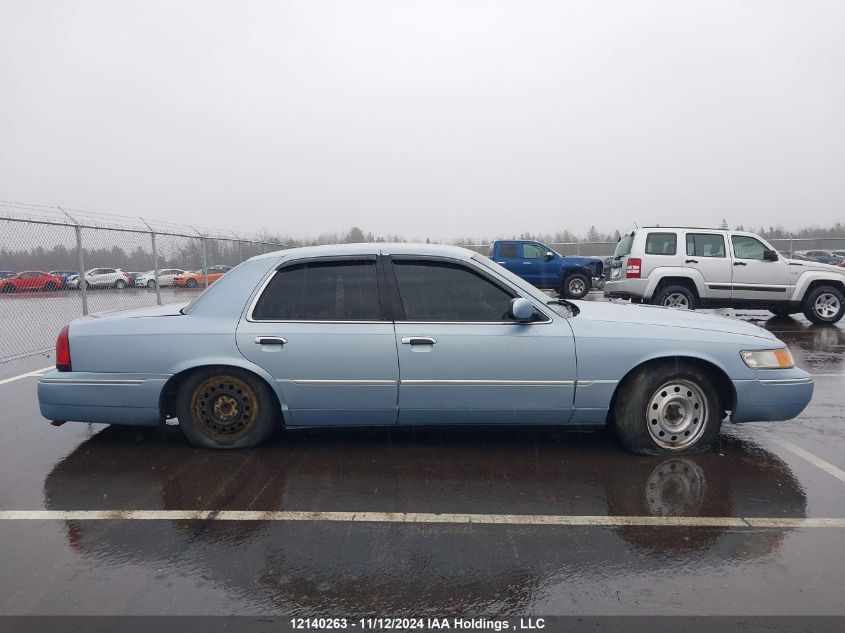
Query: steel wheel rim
[(224, 408), (576, 286), (676, 415), (827, 305), (676, 300)]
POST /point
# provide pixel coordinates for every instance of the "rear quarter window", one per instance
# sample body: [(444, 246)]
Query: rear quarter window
[(661, 244), (623, 246)]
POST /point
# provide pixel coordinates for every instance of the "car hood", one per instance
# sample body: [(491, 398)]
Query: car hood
[(828, 268), (658, 315)]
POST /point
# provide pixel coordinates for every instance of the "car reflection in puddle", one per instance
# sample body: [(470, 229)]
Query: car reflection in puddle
[(440, 569)]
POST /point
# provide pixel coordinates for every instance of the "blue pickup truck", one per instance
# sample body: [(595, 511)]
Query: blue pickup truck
[(543, 267)]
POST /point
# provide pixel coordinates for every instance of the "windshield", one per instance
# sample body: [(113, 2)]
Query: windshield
[(623, 246), (559, 307)]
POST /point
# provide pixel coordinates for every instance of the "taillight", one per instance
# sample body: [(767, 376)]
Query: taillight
[(634, 268), (63, 351)]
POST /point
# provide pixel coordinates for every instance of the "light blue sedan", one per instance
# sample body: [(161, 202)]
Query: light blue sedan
[(405, 334)]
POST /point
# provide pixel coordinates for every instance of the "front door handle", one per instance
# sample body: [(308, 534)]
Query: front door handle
[(740, 264), (270, 340), (418, 340), (691, 261)]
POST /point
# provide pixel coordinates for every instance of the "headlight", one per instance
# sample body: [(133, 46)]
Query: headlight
[(768, 358)]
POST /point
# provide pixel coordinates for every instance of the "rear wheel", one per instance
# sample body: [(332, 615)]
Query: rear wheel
[(120, 284), (678, 297), (191, 283), (671, 408), (8, 288), (226, 408), (151, 283), (824, 305), (575, 286), (49, 286)]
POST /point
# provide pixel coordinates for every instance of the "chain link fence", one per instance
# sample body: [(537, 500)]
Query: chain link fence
[(132, 263), (41, 288)]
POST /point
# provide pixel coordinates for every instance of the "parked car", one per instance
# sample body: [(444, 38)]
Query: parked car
[(387, 334), (102, 278), (823, 257), (6, 273), (197, 278), (64, 275), (165, 277), (132, 275), (544, 267), (30, 280), (688, 268)]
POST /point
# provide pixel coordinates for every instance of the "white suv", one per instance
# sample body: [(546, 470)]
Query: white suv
[(690, 267), (102, 278)]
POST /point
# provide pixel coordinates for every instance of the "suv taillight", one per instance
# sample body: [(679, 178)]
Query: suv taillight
[(63, 351), (634, 268)]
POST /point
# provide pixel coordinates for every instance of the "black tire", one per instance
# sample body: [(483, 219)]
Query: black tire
[(226, 408), (191, 283), (675, 389), (782, 311), (151, 283), (49, 286), (824, 305), (120, 284), (575, 286), (8, 288), (674, 296)]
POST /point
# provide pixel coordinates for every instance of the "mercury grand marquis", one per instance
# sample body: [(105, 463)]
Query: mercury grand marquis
[(409, 334)]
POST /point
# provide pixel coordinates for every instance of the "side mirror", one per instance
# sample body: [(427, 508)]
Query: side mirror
[(521, 310), (770, 256), (550, 255)]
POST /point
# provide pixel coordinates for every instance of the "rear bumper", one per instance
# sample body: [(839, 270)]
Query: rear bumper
[(625, 288), (774, 396), (131, 399)]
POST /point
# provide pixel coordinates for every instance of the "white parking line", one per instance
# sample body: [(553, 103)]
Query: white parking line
[(413, 517), (37, 372), (813, 459)]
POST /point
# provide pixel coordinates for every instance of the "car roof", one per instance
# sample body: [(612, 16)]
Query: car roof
[(387, 248)]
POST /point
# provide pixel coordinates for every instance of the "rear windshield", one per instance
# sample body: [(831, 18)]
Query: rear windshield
[(623, 246)]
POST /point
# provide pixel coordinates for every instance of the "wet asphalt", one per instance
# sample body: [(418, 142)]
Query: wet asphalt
[(331, 568)]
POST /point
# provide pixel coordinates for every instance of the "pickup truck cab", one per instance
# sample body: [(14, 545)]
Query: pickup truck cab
[(544, 267), (699, 267)]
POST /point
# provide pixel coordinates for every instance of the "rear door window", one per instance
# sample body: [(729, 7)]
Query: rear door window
[(321, 291), (705, 245), (507, 250), (661, 244)]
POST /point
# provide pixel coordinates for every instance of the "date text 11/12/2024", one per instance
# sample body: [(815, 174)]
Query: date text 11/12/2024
[(420, 624)]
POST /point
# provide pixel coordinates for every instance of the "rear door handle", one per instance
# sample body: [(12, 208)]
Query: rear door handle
[(740, 264), (270, 340), (418, 340), (691, 261)]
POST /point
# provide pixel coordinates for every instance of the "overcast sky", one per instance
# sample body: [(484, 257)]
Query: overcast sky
[(427, 119)]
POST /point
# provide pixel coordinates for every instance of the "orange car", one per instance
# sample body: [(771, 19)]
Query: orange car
[(197, 278)]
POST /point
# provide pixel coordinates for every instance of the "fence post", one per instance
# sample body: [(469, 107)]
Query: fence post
[(155, 261), (791, 248), (83, 289), (240, 247), (204, 257)]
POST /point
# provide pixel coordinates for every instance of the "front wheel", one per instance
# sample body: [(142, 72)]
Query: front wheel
[(575, 286), (191, 283), (678, 297), (671, 408), (151, 284), (8, 288), (824, 305), (226, 408), (120, 284)]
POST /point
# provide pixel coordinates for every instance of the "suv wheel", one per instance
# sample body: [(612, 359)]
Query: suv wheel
[(120, 284), (575, 286), (824, 305), (679, 297)]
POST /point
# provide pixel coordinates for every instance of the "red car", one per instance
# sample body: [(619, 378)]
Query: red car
[(30, 280)]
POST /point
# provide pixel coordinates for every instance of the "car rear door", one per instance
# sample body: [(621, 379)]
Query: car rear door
[(755, 278), (461, 360), (318, 328), (510, 257), (707, 253)]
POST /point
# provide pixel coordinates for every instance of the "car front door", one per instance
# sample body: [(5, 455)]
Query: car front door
[(707, 253), (462, 360), (541, 268), (755, 278), (318, 329)]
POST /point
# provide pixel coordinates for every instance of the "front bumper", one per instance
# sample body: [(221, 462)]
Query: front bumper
[(131, 399), (774, 396)]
